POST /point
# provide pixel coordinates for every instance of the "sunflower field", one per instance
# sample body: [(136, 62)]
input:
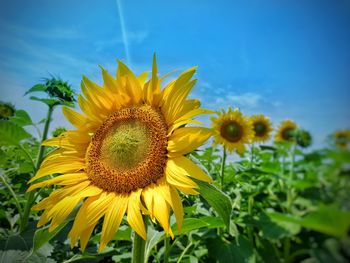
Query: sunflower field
[(138, 178)]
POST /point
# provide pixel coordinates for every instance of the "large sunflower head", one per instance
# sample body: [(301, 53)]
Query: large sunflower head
[(232, 130), (285, 131), (262, 127), (342, 138), (126, 155)]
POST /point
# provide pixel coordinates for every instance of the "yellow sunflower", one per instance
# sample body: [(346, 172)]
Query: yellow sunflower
[(342, 138), (126, 155), (262, 127), (232, 130), (285, 131)]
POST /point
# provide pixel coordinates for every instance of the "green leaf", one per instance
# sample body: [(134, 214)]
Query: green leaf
[(48, 102), (13, 256), (239, 251), (327, 219), (153, 238), (11, 133), (42, 236), (21, 118), (36, 88), (275, 230), (218, 200), (190, 224)]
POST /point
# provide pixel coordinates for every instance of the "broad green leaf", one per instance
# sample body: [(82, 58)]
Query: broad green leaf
[(153, 238), (13, 256), (11, 133), (275, 230), (190, 224), (239, 251), (327, 219), (21, 118), (36, 88), (48, 102), (42, 236), (218, 200)]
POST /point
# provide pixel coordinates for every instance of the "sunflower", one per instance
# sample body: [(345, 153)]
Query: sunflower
[(126, 155), (262, 127), (232, 130), (342, 138), (285, 131)]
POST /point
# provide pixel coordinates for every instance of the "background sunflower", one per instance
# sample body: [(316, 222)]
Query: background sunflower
[(262, 127), (232, 130), (285, 131)]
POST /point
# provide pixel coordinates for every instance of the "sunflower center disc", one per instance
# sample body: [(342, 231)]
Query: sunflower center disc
[(231, 131), (128, 151), (259, 129)]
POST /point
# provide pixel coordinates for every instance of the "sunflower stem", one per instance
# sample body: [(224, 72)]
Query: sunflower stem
[(252, 156), (223, 162), (138, 249), (31, 196), (167, 249)]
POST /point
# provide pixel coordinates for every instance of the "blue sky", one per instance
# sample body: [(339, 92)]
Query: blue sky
[(286, 59)]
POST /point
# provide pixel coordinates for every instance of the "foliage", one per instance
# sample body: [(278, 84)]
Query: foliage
[(277, 204)]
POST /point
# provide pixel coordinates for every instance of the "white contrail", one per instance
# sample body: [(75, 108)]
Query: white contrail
[(123, 28)]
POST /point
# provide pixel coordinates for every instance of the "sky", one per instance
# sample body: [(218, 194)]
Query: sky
[(285, 59)]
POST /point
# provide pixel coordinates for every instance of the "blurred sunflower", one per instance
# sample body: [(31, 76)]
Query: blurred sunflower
[(7, 110), (285, 131), (262, 127), (126, 156), (232, 130), (342, 138)]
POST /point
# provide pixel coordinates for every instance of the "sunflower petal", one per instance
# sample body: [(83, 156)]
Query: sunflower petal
[(134, 217), (112, 220), (191, 169), (185, 140)]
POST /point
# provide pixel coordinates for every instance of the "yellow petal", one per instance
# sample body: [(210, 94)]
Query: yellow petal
[(175, 176), (74, 117), (74, 166), (134, 217), (112, 220), (59, 194), (66, 179), (85, 236), (189, 168), (161, 212), (187, 139)]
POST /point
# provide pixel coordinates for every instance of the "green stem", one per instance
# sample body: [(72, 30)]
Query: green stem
[(167, 250), (252, 156), (31, 195), (138, 249), (184, 252), (249, 228), (291, 177), (13, 195), (222, 174), (289, 198)]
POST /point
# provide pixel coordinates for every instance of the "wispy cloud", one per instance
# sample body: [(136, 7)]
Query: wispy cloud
[(246, 100), (55, 33), (135, 37)]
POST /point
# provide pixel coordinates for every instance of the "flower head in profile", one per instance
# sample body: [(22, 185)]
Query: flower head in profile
[(303, 138), (232, 130), (342, 139), (285, 131), (262, 127), (7, 110), (126, 155)]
